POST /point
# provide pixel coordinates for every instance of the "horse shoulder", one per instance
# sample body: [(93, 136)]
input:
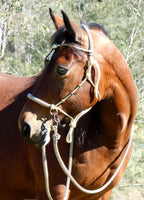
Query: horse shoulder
[(13, 86)]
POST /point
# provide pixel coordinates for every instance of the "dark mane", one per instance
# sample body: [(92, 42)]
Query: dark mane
[(97, 26), (61, 36)]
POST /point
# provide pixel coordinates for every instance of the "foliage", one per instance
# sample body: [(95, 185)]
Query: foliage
[(25, 30)]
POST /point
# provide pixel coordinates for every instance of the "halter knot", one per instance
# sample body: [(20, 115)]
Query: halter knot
[(73, 123)]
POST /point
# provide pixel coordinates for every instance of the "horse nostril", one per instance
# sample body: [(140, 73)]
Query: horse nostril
[(26, 130)]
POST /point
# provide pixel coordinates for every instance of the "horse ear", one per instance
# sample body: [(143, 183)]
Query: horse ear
[(72, 28), (58, 22)]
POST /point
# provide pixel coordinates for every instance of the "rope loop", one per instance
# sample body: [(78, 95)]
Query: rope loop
[(72, 126), (53, 109)]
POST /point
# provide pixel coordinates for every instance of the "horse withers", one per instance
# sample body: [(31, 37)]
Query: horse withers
[(87, 92)]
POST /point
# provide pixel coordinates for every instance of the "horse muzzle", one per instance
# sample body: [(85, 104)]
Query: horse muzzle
[(35, 132), (39, 139)]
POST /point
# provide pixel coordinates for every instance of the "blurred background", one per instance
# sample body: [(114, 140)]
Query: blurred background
[(25, 31)]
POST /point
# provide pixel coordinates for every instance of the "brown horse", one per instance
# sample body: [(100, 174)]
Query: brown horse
[(83, 72), (16, 178)]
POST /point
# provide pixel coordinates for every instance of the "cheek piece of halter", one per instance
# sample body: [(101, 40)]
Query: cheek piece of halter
[(54, 109)]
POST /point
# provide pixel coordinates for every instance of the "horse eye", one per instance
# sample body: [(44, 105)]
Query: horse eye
[(60, 70)]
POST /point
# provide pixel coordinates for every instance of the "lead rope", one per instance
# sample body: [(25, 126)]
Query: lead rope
[(66, 171), (56, 137), (46, 174)]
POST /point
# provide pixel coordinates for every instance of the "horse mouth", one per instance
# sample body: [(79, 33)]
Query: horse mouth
[(39, 140)]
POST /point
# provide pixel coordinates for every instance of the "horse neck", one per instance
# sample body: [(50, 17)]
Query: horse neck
[(115, 72), (123, 74), (118, 105)]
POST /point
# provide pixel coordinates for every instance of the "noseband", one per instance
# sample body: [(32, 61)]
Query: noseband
[(54, 109)]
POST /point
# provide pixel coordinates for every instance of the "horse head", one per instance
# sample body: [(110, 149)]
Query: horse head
[(70, 80), (83, 69)]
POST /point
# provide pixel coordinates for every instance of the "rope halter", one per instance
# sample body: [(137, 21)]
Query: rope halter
[(72, 124), (91, 61)]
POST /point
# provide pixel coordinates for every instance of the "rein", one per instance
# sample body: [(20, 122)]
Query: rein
[(54, 109)]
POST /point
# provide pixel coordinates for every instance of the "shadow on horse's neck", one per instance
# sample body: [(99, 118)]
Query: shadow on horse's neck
[(91, 131), (87, 129)]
